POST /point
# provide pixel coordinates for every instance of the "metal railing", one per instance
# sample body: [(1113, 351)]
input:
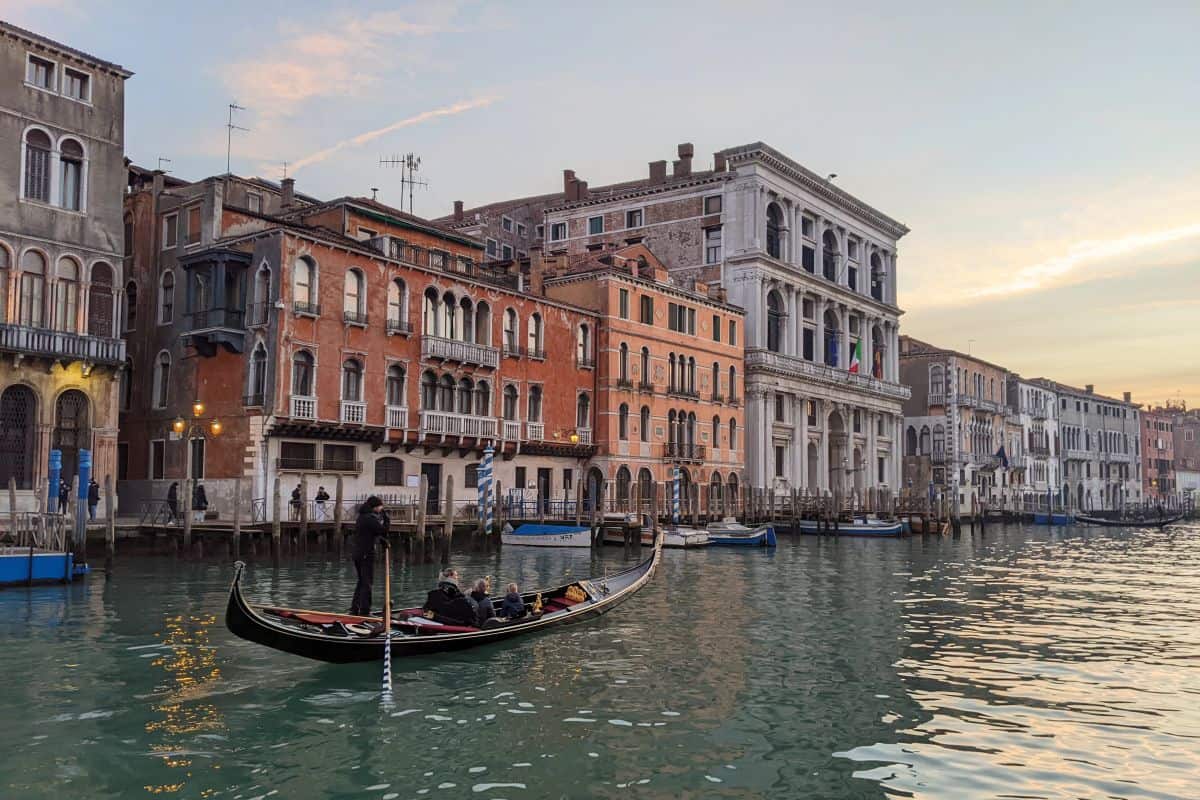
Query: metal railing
[(316, 464), (585, 362), (625, 383), (441, 423), (60, 344), (233, 318), (303, 407), (683, 451), (252, 399), (645, 386), (679, 391), (463, 352), (397, 417), (353, 411), (399, 326), (354, 317), (307, 309), (258, 314)]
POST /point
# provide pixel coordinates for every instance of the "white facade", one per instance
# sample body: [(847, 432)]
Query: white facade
[(1036, 408)]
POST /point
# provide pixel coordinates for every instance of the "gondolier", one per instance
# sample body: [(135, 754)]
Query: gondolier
[(371, 526)]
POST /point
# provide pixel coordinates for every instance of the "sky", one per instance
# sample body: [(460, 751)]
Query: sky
[(1045, 155)]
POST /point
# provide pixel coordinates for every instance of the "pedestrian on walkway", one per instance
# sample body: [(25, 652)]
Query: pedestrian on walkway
[(199, 503), (93, 498)]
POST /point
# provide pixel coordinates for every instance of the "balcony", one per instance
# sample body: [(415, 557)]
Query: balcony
[(585, 435), (535, 431), (939, 457), (305, 309), (938, 399), (512, 430), (1075, 454), (761, 360), (734, 400), (718, 397), (399, 327), (252, 400), (397, 417), (314, 464), (441, 423), (679, 391), (303, 407), (625, 384), (1037, 451), (217, 326), (355, 318), (681, 451), (645, 387), (258, 314), (585, 362), (59, 345), (509, 350), (353, 412), (462, 352)]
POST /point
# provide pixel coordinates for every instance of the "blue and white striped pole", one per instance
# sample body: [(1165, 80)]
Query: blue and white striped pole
[(675, 500), (486, 505)]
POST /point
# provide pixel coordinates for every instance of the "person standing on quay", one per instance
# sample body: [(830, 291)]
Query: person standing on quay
[(321, 498), (173, 502), (199, 503), (93, 498), (371, 526), (64, 496)]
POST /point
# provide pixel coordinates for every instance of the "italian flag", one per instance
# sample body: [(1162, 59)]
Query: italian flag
[(856, 357)]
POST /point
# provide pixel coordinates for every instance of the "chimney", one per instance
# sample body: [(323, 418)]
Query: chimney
[(1091, 387), (581, 190), (458, 211), (658, 173), (683, 166), (1128, 397), (287, 192), (569, 188), (537, 269), (718, 162)]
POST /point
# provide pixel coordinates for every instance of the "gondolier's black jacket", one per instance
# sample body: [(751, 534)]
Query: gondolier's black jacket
[(367, 528)]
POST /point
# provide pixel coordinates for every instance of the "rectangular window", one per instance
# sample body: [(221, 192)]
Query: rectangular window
[(810, 340), (254, 202), (40, 72), (712, 245), (366, 234), (471, 477), (193, 225), (521, 230), (712, 205), (506, 252), (539, 231), (197, 455), (808, 258), (122, 461), (716, 328), (507, 224), (852, 249), (812, 413), (568, 477), (623, 302), (77, 85), (595, 225), (672, 317), (779, 458), (491, 247), (558, 231), (158, 450), (170, 231), (633, 219), (733, 332), (647, 310), (779, 408), (806, 227), (520, 478), (691, 321), (340, 458)]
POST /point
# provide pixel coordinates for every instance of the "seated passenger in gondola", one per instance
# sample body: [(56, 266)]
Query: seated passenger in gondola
[(483, 603), (448, 605), (513, 606)]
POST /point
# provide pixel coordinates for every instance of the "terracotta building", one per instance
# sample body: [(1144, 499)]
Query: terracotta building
[(340, 338), (1158, 456), (669, 372), (62, 115)]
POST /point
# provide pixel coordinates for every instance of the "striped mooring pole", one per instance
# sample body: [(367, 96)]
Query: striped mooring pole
[(486, 507), (675, 500)]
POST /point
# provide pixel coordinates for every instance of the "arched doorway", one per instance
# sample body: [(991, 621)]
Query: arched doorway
[(71, 430), (18, 416), (593, 488), (838, 457), (859, 469), (814, 468)]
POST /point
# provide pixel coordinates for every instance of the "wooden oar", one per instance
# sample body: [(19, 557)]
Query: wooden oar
[(387, 621)]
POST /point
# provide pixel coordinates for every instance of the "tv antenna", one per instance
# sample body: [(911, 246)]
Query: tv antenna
[(229, 129), (408, 164), (163, 160)]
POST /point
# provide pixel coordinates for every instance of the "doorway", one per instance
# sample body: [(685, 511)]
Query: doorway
[(433, 478)]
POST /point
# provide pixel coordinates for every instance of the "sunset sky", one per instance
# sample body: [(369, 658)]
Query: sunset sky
[(1046, 156)]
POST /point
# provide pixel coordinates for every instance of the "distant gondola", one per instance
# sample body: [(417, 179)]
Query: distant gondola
[(1143, 522), (345, 638)]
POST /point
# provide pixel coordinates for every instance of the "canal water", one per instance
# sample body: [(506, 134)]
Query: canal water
[(1028, 663)]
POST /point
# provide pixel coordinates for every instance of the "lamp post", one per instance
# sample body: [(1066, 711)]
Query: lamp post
[(194, 428)]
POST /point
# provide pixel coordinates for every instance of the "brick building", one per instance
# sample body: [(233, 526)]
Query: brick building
[(1186, 434), (1158, 457), (62, 115), (669, 372), (337, 338)]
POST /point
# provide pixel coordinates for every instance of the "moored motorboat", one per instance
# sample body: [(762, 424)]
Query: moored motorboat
[(731, 533), (676, 536), (345, 638), (534, 535), (1054, 518), (1134, 522), (859, 527)]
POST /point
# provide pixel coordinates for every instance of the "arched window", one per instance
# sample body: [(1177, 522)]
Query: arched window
[(623, 422), (623, 481), (910, 441), (428, 391), (774, 321), (71, 174), (354, 297), (623, 366), (646, 377), (468, 319), (430, 313), (939, 439), (716, 381), (672, 427), (446, 387), (878, 276), (671, 373), (450, 328), (691, 374), (352, 374), (33, 289), (483, 399), (645, 484), (302, 374), (66, 302), (829, 265), (716, 431), (535, 336), (162, 379), (583, 411), (483, 324), (535, 403), (732, 434), (5, 269), (583, 344), (732, 382), (395, 386), (166, 298), (510, 402), (130, 306), (127, 385), (304, 285), (774, 231), (936, 387), (466, 389), (397, 304), (924, 441), (100, 301), (37, 166), (18, 426), (511, 330), (644, 424), (389, 471), (258, 374)]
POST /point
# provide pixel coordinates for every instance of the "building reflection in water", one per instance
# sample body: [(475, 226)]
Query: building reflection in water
[(191, 671)]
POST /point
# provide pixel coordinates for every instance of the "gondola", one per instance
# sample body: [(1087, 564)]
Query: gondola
[(345, 638), (1143, 522)]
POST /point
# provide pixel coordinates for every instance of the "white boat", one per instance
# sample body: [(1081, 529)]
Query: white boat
[(684, 537), (533, 535), (859, 527), (731, 533)]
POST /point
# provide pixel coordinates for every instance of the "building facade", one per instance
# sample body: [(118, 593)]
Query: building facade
[(1159, 484), (1186, 431), (63, 114), (342, 339), (669, 383), (1036, 410)]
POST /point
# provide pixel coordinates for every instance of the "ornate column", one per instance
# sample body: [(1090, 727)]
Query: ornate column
[(751, 435), (764, 289), (871, 461), (789, 346), (819, 309), (767, 450), (819, 231), (823, 446), (801, 428)]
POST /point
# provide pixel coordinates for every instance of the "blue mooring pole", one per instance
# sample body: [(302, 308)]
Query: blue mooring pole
[(55, 478), (85, 475)]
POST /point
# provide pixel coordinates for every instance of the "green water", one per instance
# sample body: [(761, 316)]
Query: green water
[(1028, 663)]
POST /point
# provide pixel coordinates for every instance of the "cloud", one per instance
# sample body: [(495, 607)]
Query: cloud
[(363, 138)]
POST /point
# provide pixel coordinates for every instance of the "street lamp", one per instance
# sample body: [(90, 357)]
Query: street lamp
[(189, 430)]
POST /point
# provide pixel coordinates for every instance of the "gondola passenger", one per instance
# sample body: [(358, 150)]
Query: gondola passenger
[(513, 606), (370, 527), (483, 603), (447, 604)]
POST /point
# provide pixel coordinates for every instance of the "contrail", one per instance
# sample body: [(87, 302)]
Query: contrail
[(363, 138)]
